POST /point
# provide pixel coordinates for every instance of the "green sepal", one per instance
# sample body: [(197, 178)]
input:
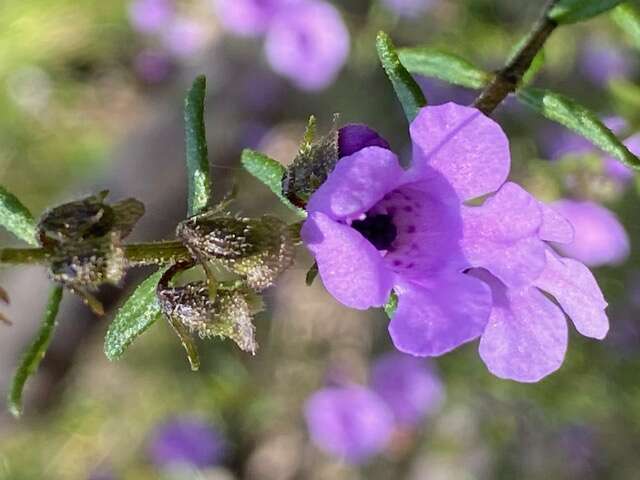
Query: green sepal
[(391, 305)]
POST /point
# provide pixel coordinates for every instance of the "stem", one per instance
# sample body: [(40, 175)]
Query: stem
[(509, 77), (138, 254)]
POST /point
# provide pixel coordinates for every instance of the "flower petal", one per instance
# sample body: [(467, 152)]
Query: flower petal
[(351, 268), (437, 317), (554, 228), (501, 236), (577, 292), (600, 238), (526, 337), (356, 136), (357, 183), (467, 147)]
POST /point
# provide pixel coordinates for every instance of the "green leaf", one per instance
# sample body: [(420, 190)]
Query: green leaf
[(406, 88), (35, 353), (572, 11), (16, 218), (139, 312), (269, 172), (199, 183), (578, 118), (536, 66), (391, 305), (627, 17), (432, 62), (187, 342)]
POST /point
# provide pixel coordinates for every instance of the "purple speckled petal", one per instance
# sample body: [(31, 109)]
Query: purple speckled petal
[(351, 268), (357, 183), (356, 136), (408, 385), (308, 43), (435, 318), (467, 147), (501, 236), (352, 423), (600, 238), (554, 228), (578, 293), (526, 337)]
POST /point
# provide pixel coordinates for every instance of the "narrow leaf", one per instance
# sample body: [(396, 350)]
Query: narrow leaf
[(432, 62), (269, 172), (199, 183), (572, 11), (16, 218), (627, 17), (187, 342), (138, 313), (406, 88), (35, 353), (578, 118)]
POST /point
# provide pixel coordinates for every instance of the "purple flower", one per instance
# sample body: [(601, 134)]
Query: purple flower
[(409, 8), (308, 43), (409, 387), (151, 16), (374, 227), (249, 17), (186, 440), (184, 37), (352, 422), (600, 238), (601, 62)]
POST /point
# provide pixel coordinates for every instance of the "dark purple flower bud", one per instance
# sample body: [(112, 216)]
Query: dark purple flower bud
[(186, 441), (356, 136)]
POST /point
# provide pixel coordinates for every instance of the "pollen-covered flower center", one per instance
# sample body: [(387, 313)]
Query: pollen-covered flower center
[(378, 229)]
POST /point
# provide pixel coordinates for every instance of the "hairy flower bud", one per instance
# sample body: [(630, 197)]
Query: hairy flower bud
[(228, 315), (258, 249)]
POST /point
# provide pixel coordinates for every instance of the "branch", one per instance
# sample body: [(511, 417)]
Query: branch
[(509, 77)]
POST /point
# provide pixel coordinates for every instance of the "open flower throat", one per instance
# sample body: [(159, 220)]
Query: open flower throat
[(460, 272)]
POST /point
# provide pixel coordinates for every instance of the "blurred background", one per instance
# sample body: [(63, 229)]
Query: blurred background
[(91, 95)]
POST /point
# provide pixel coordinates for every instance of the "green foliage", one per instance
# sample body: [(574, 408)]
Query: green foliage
[(578, 118), (406, 88), (269, 172), (391, 305), (35, 353), (16, 218), (572, 11), (627, 17), (139, 312), (432, 62), (199, 183)]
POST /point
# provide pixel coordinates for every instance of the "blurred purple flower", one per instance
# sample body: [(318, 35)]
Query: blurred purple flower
[(600, 238), (249, 17), (153, 66), (374, 227), (352, 422), (409, 8), (151, 16), (184, 37), (601, 62), (186, 440), (308, 43), (410, 388)]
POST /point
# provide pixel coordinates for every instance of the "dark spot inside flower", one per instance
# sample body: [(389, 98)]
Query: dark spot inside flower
[(397, 263), (408, 209), (378, 229), (411, 229), (411, 265)]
